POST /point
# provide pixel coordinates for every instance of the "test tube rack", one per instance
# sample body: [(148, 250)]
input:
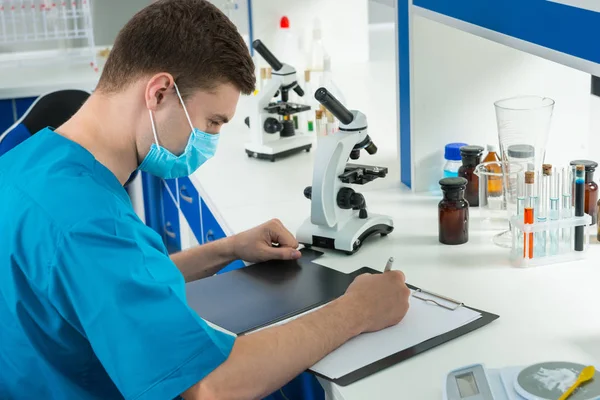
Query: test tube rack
[(43, 28), (561, 230)]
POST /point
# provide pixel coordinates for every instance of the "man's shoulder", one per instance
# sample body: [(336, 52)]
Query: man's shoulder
[(57, 183)]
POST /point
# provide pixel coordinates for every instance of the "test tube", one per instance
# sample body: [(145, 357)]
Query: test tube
[(520, 206), (554, 209), (542, 213), (579, 204), (529, 212), (567, 211)]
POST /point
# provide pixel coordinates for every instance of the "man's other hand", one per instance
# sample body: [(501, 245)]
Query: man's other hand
[(269, 241)]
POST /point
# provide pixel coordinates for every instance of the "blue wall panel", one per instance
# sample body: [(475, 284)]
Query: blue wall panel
[(567, 29)]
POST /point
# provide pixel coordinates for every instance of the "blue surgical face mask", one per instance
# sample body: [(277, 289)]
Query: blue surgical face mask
[(161, 162)]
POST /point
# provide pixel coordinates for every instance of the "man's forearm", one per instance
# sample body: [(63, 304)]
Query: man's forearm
[(262, 362), (205, 260)]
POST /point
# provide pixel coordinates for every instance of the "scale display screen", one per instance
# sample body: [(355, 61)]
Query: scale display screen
[(467, 385)]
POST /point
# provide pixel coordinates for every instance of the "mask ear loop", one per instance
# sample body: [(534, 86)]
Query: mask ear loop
[(184, 108), (153, 127)]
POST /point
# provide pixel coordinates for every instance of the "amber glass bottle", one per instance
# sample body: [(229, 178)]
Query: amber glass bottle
[(471, 157), (494, 182), (453, 212)]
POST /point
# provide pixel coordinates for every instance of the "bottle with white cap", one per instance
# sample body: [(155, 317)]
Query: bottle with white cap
[(317, 50), (328, 83)]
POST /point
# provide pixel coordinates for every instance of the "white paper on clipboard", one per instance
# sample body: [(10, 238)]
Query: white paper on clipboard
[(424, 321)]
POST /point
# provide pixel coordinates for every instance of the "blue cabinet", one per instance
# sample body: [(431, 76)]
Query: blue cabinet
[(13, 109), (171, 232), (166, 200), (22, 105), (7, 115), (212, 232), (190, 204)]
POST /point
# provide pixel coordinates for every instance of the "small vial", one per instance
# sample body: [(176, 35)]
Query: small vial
[(453, 212), (566, 212), (330, 125), (554, 210), (471, 158), (321, 128)]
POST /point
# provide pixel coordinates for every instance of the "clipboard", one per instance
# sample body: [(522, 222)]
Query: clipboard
[(263, 294), (408, 353)]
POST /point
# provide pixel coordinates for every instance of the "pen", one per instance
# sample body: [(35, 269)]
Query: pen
[(388, 266)]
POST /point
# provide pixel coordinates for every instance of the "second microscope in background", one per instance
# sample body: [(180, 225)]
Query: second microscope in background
[(273, 134)]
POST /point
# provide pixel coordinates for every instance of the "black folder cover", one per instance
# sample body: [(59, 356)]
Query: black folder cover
[(262, 294)]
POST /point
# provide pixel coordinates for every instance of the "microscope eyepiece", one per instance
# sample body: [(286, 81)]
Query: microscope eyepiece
[(267, 55), (324, 97)]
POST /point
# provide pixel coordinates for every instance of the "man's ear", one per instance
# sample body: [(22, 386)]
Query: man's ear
[(157, 87)]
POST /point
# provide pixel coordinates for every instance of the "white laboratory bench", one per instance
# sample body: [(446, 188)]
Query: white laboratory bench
[(33, 82), (546, 313)]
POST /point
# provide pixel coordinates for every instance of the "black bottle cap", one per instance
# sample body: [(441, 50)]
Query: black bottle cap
[(471, 151), (453, 183), (590, 166)]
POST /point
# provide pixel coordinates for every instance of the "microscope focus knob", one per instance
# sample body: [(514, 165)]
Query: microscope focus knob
[(347, 199), (371, 148), (308, 192), (272, 125)]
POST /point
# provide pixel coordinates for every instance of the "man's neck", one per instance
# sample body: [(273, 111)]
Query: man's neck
[(106, 126)]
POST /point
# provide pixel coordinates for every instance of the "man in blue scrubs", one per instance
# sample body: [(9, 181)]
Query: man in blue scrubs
[(91, 305)]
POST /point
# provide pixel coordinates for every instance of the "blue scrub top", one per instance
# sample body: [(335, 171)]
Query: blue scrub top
[(91, 306)]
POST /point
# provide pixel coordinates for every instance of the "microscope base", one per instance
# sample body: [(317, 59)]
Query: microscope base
[(350, 238), (279, 148)]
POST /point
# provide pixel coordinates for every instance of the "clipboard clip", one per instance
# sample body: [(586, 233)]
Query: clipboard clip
[(437, 299)]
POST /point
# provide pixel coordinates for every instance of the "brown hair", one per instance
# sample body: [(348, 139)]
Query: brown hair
[(190, 39)]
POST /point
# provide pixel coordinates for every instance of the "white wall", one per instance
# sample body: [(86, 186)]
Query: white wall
[(381, 12), (111, 15), (344, 24), (458, 76)]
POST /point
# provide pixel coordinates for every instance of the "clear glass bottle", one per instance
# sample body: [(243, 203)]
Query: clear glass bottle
[(452, 159), (591, 188), (453, 212), (310, 100), (328, 83), (317, 50), (471, 158)]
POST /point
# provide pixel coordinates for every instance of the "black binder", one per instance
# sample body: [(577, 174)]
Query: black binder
[(260, 295)]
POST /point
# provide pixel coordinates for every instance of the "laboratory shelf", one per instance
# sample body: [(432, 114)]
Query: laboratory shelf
[(564, 32)]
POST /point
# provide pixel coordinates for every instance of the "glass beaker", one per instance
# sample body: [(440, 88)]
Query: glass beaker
[(523, 125), (492, 196)]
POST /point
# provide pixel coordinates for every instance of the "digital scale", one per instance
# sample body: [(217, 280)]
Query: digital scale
[(543, 381)]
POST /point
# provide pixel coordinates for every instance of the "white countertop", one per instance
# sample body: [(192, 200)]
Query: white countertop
[(35, 78), (546, 313)]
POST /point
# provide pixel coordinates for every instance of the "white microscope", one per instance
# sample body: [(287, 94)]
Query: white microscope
[(272, 130), (339, 219)]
